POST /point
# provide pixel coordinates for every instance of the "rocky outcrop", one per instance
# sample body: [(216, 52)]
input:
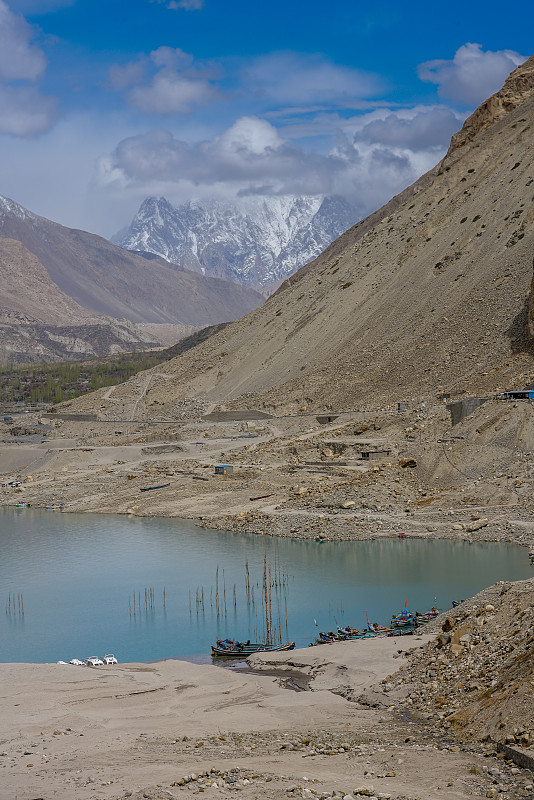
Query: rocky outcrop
[(476, 677), (518, 87)]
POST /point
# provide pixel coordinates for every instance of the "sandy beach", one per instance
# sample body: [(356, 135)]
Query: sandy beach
[(142, 731)]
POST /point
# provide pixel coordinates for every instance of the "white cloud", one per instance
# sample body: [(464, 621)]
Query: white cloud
[(249, 136), (171, 58), (187, 5), (170, 81), (123, 77), (171, 93), (251, 150), (421, 128), (177, 84), (19, 58), (251, 157), (24, 111), (294, 78), (472, 75)]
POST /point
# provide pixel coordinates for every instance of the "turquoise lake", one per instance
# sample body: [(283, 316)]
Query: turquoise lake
[(76, 576)]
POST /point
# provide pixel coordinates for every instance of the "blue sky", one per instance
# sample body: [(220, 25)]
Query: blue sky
[(103, 103)]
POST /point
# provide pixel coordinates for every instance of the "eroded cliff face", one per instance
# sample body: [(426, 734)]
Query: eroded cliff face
[(516, 89), (26, 341)]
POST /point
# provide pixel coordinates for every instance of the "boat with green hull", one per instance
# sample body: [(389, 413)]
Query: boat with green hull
[(227, 648)]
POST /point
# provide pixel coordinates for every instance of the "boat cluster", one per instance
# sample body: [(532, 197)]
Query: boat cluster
[(403, 624), (92, 661)]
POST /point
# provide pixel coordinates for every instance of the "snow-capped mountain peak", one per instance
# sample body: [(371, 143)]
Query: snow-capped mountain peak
[(256, 241)]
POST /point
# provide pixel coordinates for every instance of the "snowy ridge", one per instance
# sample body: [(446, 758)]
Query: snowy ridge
[(256, 242), (8, 206)]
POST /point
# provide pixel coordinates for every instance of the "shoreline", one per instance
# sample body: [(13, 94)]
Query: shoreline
[(291, 477), (165, 729), (233, 524)]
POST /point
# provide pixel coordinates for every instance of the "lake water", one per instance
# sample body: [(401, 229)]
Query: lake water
[(77, 575)]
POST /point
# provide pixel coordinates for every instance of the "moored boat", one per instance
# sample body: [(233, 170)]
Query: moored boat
[(231, 649), (354, 633)]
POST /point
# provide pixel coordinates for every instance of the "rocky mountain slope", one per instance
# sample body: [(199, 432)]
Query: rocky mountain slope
[(427, 296), (104, 279), (26, 290), (256, 243), (475, 678), (40, 323)]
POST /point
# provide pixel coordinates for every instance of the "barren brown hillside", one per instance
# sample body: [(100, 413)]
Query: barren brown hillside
[(108, 280), (26, 289), (428, 296)]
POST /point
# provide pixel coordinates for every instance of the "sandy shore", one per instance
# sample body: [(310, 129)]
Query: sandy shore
[(137, 730)]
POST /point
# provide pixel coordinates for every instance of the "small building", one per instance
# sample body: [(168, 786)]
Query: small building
[(521, 394), (224, 469), (324, 419), (372, 455)]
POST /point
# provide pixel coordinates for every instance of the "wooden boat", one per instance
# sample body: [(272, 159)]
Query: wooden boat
[(376, 628), (232, 649), (349, 633), (422, 619), (354, 633), (326, 638), (405, 619), (407, 622), (408, 619), (401, 632), (224, 644)]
